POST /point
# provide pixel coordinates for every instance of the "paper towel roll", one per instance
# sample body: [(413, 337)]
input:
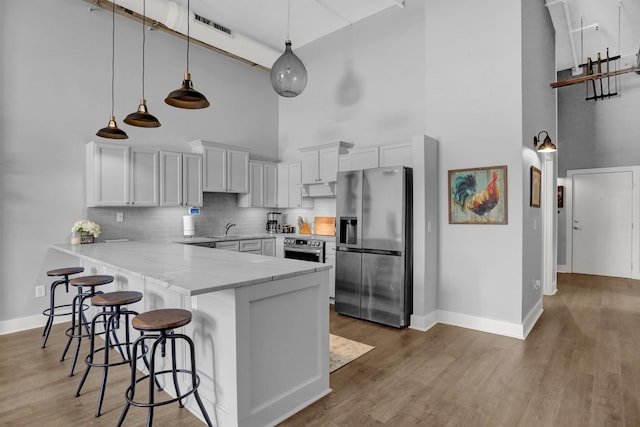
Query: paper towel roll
[(188, 225)]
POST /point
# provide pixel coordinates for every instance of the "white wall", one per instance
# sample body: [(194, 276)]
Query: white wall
[(474, 108), (56, 94), (432, 69), (366, 84), (538, 114), (596, 134)]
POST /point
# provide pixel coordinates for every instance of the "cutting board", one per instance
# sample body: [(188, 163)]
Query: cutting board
[(324, 225)]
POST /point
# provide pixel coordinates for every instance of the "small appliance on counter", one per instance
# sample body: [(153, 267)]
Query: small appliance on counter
[(288, 228), (273, 222)]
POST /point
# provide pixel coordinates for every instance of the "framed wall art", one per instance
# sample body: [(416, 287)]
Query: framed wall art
[(536, 180), (560, 196), (478, 195)]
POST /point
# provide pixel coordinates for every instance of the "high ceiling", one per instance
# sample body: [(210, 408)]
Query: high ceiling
[(257, 29), (586, 27), (266, 20)]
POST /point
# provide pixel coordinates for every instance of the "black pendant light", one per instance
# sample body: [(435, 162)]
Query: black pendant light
[(112, 131), (288, 73), (187, 96), (142, 118)]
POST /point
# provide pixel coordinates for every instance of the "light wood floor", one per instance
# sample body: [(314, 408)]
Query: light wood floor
[(580, 366)]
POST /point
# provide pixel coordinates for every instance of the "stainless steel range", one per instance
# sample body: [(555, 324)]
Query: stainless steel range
[(305, 248)]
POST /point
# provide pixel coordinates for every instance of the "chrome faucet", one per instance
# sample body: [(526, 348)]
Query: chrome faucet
[(227, 227)]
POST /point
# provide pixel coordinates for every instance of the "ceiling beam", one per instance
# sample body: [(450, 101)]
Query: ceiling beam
[(153, 24)]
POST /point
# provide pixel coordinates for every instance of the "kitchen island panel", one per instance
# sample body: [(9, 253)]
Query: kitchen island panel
[(285, 347)]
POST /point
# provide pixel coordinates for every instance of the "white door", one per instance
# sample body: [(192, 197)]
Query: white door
[(602, 223)]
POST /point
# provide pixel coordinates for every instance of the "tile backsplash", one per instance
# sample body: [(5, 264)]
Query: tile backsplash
[(142, 223)]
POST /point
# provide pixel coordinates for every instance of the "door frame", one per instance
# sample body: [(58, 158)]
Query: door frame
[(635, 214)]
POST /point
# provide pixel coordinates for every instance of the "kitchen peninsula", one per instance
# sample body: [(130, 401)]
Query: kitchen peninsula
[(260, 324)]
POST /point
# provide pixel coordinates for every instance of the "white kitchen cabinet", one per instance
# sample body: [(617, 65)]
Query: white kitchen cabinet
[(226, 168), (283, 185), (320, 162), (143, 172), (359, 158), (251, 245), (330, 258), (262, 186), (279, 247), (290, 189), (270, 185), (180, 179), (120, 175), (397, 154), (232, 245), (269, 246)]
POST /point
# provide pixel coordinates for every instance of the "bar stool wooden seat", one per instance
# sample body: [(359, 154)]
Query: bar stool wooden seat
[(54, 310), (157, 326), (112, 316), (86, 289)]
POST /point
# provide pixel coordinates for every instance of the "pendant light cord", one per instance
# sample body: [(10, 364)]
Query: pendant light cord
[(144, 14), (113, 51), (288, 18), (188, 30)]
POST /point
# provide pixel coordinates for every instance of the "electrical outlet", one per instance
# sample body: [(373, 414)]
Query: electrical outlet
[(536, 284), (119, 216), (39, 291)]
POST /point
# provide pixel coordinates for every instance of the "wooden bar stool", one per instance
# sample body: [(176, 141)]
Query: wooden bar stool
[(51, 311), (158, 325), (112, 315), (78, 320)]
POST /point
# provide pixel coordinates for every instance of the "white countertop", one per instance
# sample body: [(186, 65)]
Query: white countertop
[(190, 269)]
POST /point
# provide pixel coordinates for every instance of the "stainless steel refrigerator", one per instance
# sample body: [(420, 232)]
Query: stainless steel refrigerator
[(374, 263)]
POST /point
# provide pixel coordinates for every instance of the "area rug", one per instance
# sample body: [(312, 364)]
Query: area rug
[(343, 351)]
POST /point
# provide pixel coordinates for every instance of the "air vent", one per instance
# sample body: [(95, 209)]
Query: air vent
[(212, 24)]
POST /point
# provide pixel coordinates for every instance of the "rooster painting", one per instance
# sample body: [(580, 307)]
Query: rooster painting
[(476, 196)]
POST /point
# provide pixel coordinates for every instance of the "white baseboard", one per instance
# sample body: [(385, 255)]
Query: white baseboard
[(499, 327), (562, 268), (531, 319), (24, 323), (423, 323)]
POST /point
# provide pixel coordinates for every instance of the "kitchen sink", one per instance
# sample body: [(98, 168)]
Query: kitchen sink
[(227, 237)]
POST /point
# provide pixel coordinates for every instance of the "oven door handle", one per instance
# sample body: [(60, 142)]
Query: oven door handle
[(307, 251)]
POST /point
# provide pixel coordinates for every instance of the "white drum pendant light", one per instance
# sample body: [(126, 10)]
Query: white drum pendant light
[(288, 73)]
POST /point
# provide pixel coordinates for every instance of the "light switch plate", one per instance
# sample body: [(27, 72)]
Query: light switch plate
[(119, 216)]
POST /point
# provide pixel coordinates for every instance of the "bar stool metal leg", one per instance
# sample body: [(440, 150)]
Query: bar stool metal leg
[(78, 321), (161, 323), (51, 312), (112, 316)]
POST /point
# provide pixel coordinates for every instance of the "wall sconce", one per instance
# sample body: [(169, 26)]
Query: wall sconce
[(547, 146)]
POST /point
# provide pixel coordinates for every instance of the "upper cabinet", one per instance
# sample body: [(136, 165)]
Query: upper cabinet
[(290, 187), (263, 178), (359, 158), (226, 168), (397, 154), (180, 179), (320, 162), (120, 175)]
